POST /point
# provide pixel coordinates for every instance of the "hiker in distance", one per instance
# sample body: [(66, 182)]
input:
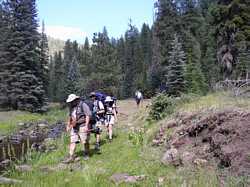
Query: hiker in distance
[(111, 116), (138, 98), (78, 126)]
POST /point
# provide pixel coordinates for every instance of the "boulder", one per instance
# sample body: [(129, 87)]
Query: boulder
[(8, 181), (171, 124), (200, 162), (42, 125), (119, 178), (171, 157), (5, 163)]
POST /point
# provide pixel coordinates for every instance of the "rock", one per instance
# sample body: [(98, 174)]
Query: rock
[(157, 142), (124, 177), (16, 139), (170, 124), (4, 180), (42, 125), (2, 138), (23, 168), (171, 156), (58, 167), (187, 158), (134, 179), (5, 163), (200, 162), (21, 124), (178, 142)]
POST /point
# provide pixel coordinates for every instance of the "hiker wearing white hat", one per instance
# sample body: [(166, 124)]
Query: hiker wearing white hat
[(111, 116), (78, 125)]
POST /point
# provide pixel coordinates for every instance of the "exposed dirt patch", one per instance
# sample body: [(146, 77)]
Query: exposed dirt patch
[(218, 139)]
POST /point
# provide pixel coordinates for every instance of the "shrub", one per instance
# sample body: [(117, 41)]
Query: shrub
[(162, 105)]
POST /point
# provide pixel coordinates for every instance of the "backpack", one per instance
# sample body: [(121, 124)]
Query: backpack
[(101, 96), (91, 107)]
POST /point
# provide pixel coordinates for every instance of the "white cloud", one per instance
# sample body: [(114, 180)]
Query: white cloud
[(64, 32)]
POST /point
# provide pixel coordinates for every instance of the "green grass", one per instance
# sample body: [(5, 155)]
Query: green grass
[(121, 156), (9, 120), (215, 101), (118, 157)]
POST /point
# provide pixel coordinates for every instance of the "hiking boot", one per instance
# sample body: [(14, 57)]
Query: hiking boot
[(85, 156), (97, 148), (110, 140), (70, 159)]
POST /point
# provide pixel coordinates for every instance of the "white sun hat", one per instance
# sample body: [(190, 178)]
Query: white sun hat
[(108, 99), (71, 98)]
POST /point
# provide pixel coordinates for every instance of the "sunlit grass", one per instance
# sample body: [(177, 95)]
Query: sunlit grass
[(214, 101), (121, 156)]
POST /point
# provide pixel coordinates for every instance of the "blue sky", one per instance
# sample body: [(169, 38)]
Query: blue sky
[(77, 19)]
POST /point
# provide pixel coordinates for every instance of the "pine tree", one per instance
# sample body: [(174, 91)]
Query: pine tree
[(73, 77), (59, 80), (104, 69), (195, 81), (4, 54), (166, 24), (175, 77), (26, 91), (146, 48), (132, 63), (231, 19), (85, 58), (44, 58)]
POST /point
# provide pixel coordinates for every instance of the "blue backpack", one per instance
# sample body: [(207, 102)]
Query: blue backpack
[(101, 96)]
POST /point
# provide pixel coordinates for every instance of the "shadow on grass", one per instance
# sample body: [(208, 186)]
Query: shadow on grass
[(104, 140)]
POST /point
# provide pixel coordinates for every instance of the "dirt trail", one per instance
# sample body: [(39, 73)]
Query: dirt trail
[(127, 111)]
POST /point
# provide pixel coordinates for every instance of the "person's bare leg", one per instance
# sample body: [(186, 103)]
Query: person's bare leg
[(72, 148), (110, 128)]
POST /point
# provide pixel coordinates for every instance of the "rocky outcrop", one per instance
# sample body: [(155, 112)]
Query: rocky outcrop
[(217, 139)]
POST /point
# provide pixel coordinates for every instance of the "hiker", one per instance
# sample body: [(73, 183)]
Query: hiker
[(78, 126), (138, 98), (111, 116), (99, 113)]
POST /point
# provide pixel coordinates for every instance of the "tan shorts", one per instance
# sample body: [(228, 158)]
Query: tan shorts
[(81, 136), (110, 120)]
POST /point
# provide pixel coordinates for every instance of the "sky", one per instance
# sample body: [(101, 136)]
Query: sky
[(77, 19)]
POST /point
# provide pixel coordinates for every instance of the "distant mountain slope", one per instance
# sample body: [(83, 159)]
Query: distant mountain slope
[(55, 45)]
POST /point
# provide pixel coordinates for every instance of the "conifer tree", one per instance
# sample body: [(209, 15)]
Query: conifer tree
[(26, 90), (73, 77), (44, 58), (59, 79), (231, 19), (175, 77), (132, 63), (4, 54)]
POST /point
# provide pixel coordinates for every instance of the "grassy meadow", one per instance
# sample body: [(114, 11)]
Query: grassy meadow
[(130, 152)]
